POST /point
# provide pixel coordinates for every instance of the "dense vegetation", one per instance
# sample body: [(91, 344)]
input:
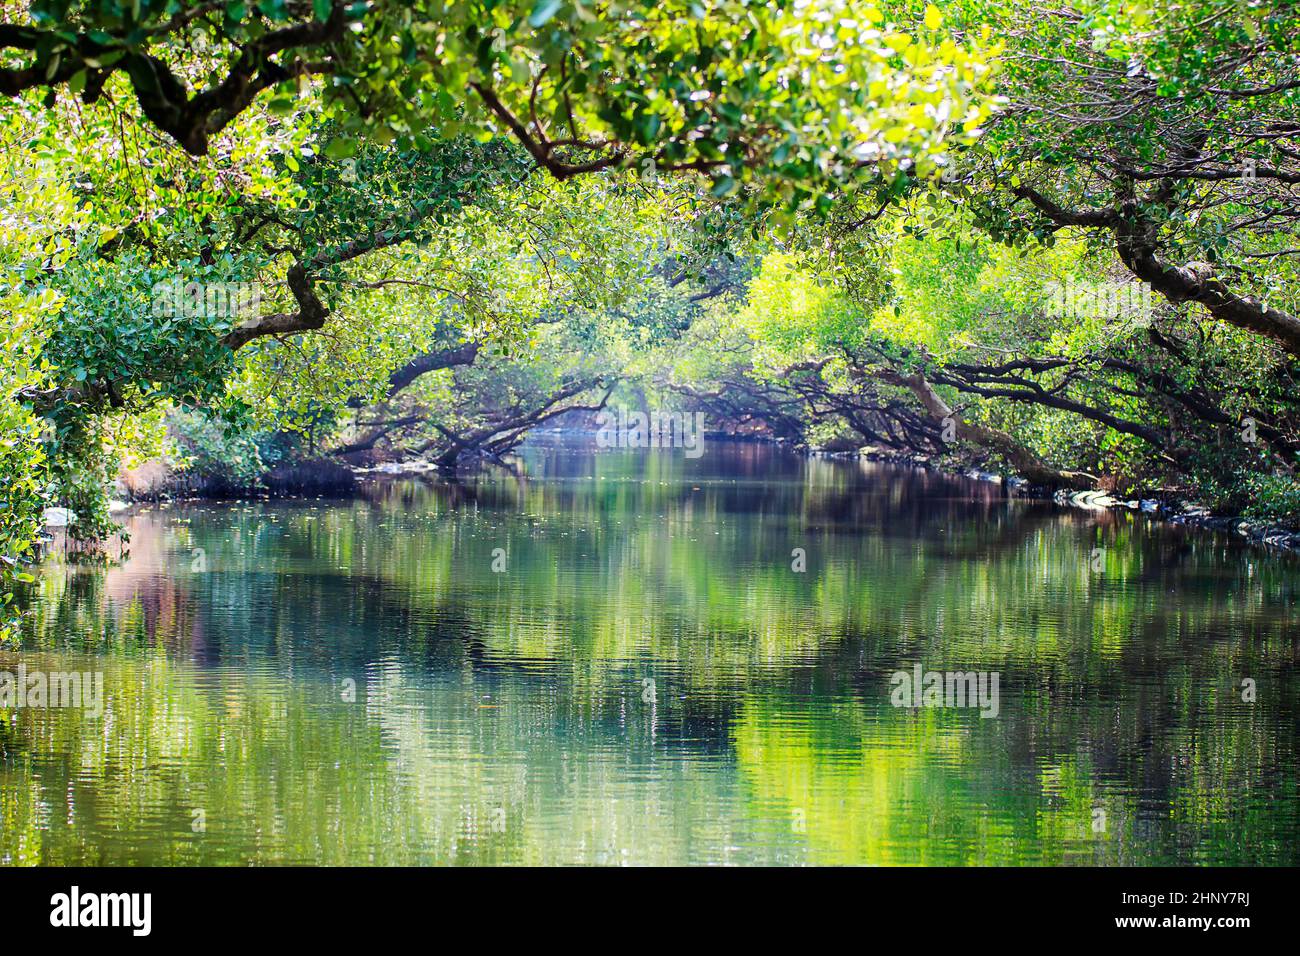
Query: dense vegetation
[(1057, 241)]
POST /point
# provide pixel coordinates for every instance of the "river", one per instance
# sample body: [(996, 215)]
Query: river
[(636, 657)]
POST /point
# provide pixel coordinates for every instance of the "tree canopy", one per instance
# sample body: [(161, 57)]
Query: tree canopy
[(1052, 241)]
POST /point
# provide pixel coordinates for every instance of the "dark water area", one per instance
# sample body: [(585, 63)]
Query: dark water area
[(635, 657)]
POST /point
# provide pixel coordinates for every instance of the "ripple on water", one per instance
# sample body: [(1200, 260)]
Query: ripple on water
[(647, 678)]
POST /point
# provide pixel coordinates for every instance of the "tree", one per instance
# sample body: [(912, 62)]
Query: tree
[(926, 338), (1169, 131), (796, 94), (280, 109)]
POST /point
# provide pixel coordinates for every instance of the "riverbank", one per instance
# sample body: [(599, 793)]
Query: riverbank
[(1171, 508), (330, 478), (157, 481)]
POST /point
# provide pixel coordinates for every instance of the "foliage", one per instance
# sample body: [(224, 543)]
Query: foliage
[(32, 211), (796, 95), (823, 222), (216, 449)]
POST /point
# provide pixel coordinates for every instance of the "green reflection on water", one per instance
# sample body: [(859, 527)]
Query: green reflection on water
[(650, 682)]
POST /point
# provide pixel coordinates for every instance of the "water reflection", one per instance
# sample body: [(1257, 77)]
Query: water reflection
[(648, 681)]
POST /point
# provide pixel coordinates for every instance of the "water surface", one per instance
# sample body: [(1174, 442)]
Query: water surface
[(644, 679)]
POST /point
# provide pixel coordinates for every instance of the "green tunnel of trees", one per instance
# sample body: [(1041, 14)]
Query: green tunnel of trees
[(1055, 242)]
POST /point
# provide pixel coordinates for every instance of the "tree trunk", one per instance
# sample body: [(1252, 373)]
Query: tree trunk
[(1026, 462)]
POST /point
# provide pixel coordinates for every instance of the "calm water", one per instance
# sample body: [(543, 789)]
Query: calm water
[(648, 681)]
